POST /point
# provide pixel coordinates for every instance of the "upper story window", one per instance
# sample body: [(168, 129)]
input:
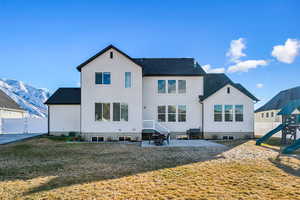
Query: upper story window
[(218, 113), (262, 115), (267, 115), (128, 80), (272, 114), (120, 112), (239, 113), (161, 86), (171, 87), (181, 86), (103, 78), (111, 55)]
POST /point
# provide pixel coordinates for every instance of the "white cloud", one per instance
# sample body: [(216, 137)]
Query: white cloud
[(235, 51), (287, 53), (208, 69), (244, 66), (259, 85)]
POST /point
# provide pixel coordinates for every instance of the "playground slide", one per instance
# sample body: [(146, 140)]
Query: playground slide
[(269, 134), (293, 147)]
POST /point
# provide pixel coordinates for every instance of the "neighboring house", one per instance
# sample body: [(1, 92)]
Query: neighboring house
[(119, 94), (9, 108), (268, 112)]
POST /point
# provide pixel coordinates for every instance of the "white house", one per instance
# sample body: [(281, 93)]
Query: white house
[(121, 96)]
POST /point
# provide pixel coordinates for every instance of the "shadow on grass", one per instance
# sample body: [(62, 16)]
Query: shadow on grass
[(288, 163), (71, 164)]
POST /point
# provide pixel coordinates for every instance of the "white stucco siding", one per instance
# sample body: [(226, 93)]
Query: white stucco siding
[(64, 118), (151, 99), (115, 92), (234, 98)]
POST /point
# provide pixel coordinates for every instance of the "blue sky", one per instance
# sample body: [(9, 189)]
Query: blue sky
[(42, 42)]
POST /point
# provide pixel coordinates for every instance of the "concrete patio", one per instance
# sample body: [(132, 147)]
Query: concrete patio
[(186, 143)]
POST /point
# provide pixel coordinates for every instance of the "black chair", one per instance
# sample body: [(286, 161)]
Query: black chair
[(194, 133)]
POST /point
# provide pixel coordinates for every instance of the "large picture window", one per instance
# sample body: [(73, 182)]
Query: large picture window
[(239, 113), (103, 78), (102, 111), (171, 113), (128, 80), (161, 86), (181, 113), (161, 113), (218, 113), (120, 112), (228, 113), (181, 86), (171, 86)]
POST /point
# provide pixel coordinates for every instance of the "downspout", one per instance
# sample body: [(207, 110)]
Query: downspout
[(202, 119)]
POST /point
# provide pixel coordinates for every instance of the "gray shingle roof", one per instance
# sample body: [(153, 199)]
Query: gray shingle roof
[(65, 96), (281, 99), (170, 67), (214, 82), (7, 102)]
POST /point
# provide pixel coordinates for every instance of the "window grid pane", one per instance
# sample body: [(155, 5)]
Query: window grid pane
[(161, 111), (218, 111), (98, 111), (181, 86), (124, 112), (239, 116), (161, 86), (106, 112), (171, 86), (98, 78), (181, 113), (116, 112), (228, 113), (127, 79), (171, 113), (106, 78)]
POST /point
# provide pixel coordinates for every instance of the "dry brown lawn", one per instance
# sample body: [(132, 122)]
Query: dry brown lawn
[(46, 169)]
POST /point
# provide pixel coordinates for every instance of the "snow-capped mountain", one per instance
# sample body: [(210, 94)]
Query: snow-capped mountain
[(28, 97)]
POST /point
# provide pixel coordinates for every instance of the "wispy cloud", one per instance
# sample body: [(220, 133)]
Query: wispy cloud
[(287, 53), (259, 85), (207, 68), (235, 51), (244, 66)]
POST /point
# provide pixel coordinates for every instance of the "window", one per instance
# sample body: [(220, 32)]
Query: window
[(218, 113), (267, 115), (262, 115), (181, 113), (97, 139), (228, 113), (120, 112), (102, 78), (102, 111), (171, 86), (161, 113), (127, 79), (272, 114), (161, 86), (239, 110), (228, 90), (181, 86), (111, 55), (171, 113)]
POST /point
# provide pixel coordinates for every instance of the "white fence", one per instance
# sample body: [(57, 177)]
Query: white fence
[(23, 125), (261, 128)]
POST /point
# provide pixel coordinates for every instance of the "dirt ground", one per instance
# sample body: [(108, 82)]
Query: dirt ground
[(43, 168)]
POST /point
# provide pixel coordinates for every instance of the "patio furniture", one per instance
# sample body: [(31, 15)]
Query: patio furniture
[(159, 138), (194, 133)]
